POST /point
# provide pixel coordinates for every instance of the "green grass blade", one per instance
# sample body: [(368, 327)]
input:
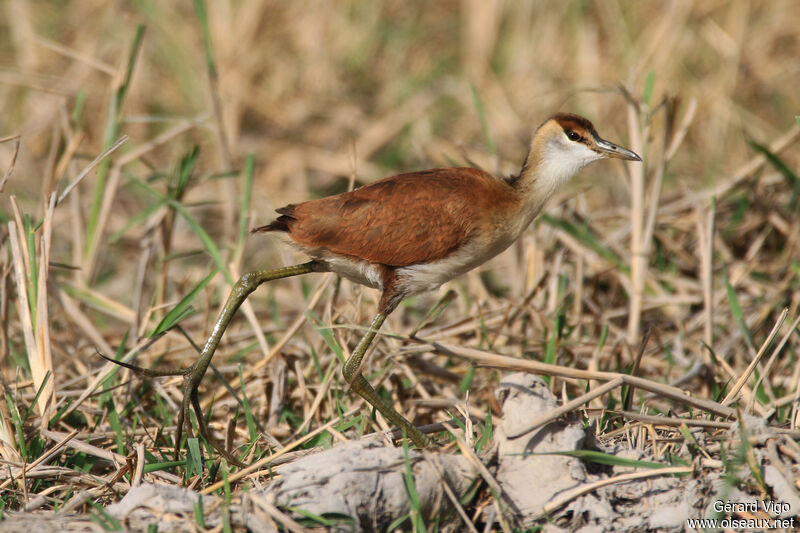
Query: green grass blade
[(550, 348), (194, 457), (102, 518), (411, 490), (226, 484), (166, 465), (316, 519), (202, 14), (586, 237), (19, 427), (486, 437), (107, 401), (77, 108), (112, 129), (466, 381), (792, 179), (603, 336), (748, 454), (33, 267), (30, 408), (326, 334), (199, 515), (205, 238), (487, 134), (605, 459), (244, 201), (135, 220), (397, 522), (198, 230), (179, 312), (183, 172), (433, 314), (89, 299), (649, 83), (737, 314)]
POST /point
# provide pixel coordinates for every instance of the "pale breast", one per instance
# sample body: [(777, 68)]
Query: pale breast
[(430, 276)]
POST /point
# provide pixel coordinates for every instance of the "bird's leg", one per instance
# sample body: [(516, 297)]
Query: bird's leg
[(359, 384), (193, 374)]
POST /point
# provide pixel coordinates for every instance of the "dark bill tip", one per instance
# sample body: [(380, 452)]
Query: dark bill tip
[(616, 151)]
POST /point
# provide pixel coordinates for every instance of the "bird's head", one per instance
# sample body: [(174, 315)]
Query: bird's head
[(563, 145), (574, 137)]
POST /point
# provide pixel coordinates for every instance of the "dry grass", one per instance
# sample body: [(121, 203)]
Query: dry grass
[(683, 271)]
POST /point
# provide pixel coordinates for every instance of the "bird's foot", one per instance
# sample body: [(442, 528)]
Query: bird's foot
[(192, 376)]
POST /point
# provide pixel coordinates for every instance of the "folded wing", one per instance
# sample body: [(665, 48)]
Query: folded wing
[(398, 221)]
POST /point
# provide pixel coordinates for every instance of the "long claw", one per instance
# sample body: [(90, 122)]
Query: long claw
[(205, 432), (179, 434), (148, 372), (183, 414)]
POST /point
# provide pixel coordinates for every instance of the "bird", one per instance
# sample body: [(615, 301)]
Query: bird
[(408, 234)]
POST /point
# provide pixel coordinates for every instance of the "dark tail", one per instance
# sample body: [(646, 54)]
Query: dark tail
[(281, 223)]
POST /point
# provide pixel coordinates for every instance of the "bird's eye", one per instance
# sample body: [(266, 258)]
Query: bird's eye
[(572, 136)]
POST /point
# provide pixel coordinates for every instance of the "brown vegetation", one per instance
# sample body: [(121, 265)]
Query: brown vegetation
[(682, 271)]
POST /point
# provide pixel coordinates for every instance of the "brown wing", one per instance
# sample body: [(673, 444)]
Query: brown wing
[(401, 220)]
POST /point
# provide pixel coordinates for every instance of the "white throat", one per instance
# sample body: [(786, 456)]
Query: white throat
[(560, 161), (557, 163)]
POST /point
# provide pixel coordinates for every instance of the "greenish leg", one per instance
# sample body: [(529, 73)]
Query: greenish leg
[(194, 374), (359, 384)]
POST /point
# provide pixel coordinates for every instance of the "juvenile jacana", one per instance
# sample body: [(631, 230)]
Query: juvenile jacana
[(411, 233)]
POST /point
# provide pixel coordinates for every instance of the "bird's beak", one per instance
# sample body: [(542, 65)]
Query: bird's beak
[(616, 151)]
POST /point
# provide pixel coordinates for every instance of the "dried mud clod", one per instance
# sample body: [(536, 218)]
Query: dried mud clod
[(751, 462), (365, 480), (529, 478), (361, 485)]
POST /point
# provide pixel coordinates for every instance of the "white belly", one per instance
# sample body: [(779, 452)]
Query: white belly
[(413, 279), (431, 276)]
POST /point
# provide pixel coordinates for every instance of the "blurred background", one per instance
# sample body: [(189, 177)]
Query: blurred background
[(304, 85), (321, 90), (325, 94)]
